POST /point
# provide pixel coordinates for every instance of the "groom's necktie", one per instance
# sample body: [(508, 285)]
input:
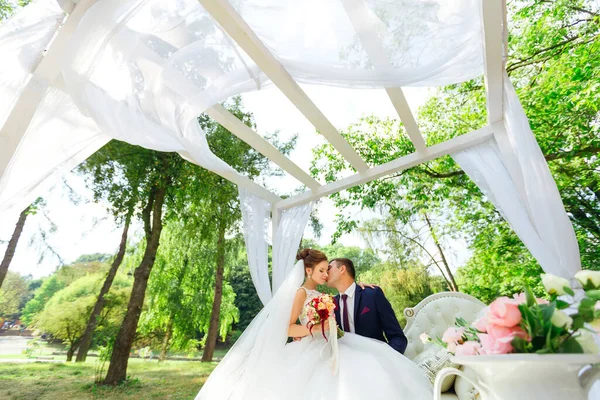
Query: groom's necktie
[(345, 320)]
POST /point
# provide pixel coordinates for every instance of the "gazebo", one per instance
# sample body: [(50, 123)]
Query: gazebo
[(76, 74)]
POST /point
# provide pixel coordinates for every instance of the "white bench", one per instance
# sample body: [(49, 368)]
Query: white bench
[(433, 316)]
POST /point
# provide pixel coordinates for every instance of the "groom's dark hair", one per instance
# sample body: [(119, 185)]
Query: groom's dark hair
[(349, 265)]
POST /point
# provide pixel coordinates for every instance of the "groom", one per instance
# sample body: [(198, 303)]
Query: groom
[(365, 312)]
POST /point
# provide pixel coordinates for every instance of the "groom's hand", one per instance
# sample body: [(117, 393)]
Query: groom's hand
[(363, 285)]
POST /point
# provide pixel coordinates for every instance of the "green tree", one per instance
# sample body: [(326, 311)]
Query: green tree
[(12, 295), (403, 287), (86, 339), (180, 290), (145, 179), (246, 299), (66, 313)]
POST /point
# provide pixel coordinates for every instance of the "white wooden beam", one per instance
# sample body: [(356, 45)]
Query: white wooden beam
[(453, 145), (45, 73), (245, 133), (493, 11), (361, 20), (247, 183), (396, 95), (242, 34)]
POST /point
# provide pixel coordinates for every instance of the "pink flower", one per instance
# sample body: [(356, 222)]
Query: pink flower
[(505, 333), (468, 349), (481, 324), (453, 335), (504, 312), (490, 345)]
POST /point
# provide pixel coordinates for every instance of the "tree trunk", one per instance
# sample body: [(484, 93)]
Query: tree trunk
[(165, 344), (213, 329), (71, 350), (12, 244), (454, 286), (86, 339), (117, 370)]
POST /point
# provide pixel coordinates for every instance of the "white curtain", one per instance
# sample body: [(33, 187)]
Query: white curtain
[(286, 240), (518, 182), (59, 137), (256, 216)]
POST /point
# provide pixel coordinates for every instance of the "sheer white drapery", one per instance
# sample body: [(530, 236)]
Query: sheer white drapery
[(256, 216), (518, 182), (58, 137), (143, 70), (286, 239)]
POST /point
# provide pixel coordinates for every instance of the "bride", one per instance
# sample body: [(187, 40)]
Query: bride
[(263, 366)]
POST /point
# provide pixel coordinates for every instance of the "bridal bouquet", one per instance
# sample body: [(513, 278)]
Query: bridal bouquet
[(526, 324), (319, 310)]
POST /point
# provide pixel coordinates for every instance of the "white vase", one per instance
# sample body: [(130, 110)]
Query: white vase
[(528, 376)]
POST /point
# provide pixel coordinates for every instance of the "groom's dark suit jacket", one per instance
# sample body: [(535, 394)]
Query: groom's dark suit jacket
[(374, 317)]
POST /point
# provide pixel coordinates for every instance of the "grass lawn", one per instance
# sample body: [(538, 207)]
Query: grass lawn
[(147, 380)]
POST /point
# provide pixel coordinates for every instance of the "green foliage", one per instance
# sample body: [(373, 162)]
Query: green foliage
[(64, 276), (500, 266), (246, 299), (6, 9), (181, 290), (403, 287), (13, 292), (66, 314)]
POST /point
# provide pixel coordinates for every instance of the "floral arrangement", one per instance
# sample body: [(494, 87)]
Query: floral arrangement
[(526, 324), (319, 310)]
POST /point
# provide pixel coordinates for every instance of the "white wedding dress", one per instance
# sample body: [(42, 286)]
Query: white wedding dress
[(261, 366)]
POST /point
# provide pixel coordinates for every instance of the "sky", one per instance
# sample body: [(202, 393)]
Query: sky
[(84, 227)]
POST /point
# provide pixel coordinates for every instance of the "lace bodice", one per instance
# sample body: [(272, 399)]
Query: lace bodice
[(310, 294)]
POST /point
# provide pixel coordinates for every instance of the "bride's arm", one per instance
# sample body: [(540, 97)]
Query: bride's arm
[(296, 330)]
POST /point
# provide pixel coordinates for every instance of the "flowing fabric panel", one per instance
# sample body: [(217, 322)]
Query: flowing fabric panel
[(518, 182), (256, 216), (483, 163), (23, 39), (58, 139), (544, 202), (286, 240), (426, 43)]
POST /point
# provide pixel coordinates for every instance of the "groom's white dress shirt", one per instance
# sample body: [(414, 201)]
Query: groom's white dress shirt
[(351, 291)]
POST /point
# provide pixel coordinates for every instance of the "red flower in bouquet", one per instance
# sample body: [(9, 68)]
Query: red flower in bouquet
[(319, 310)]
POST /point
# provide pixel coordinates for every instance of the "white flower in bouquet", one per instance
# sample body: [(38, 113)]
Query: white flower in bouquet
[(587, 278), (587, 342), (561, 319), (554, 284)]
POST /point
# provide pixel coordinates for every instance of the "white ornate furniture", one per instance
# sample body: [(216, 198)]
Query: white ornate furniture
[(433, 316)]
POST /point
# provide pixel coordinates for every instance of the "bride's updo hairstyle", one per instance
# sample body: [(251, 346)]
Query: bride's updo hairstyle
[(311, 258)]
